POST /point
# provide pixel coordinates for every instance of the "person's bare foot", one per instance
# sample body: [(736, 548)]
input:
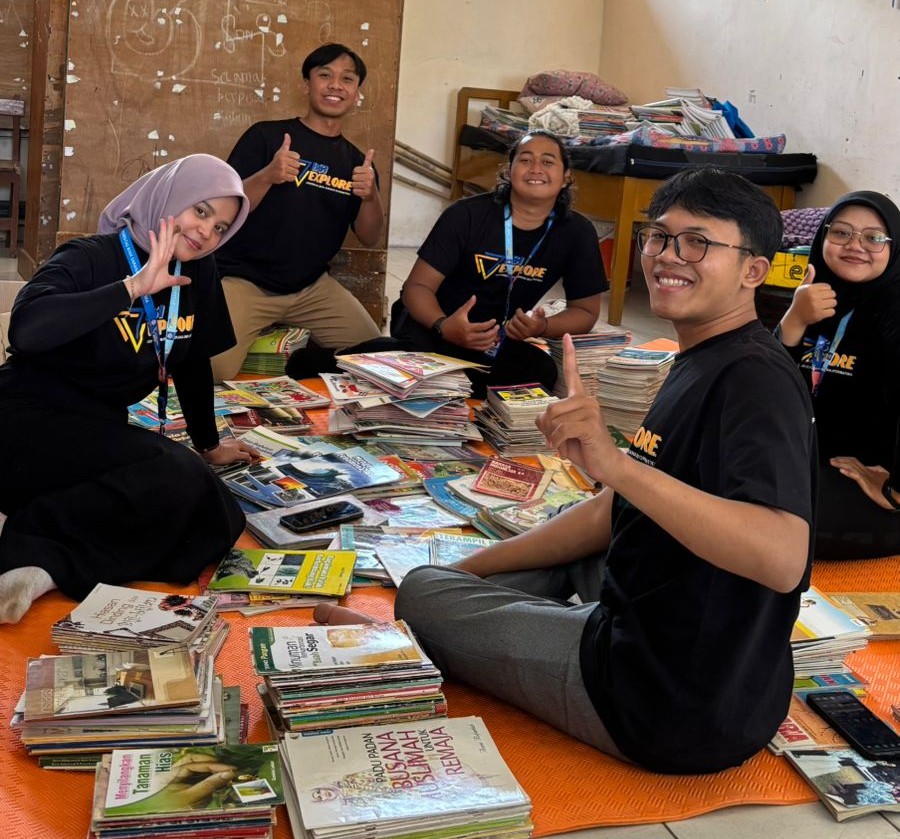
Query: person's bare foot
[(331, 614), (19, 588)]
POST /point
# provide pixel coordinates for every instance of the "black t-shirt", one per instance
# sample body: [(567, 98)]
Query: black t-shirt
[(857, 403), (112, 364), (289, 239), (466, 245), (688, 665)]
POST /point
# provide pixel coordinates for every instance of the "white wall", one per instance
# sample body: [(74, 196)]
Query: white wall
[(449, 44), (824, 72)]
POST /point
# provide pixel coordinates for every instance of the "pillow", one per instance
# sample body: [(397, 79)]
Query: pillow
[(571, 83), (800, 225)]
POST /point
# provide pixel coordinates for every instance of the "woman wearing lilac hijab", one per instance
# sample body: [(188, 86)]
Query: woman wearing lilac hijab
[(90, 498)]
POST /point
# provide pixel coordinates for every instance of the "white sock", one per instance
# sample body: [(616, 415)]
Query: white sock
[(19, 588)]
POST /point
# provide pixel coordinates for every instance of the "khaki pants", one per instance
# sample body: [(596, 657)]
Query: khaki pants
[(334, 317)]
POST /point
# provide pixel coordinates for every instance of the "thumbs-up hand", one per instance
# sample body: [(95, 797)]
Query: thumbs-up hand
[(574, 426), (812, 302), (459, 330), (364, 178), (285, 164)]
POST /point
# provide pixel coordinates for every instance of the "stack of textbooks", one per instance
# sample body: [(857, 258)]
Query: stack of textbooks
[(440, 778), (322, 677), (504, 522), (121, 618), (824, 635), (254, 580), (628, 384), (592, 351), (268, 354), (507, 418), (229, 792)]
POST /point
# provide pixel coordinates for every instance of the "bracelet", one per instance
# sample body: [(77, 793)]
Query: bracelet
[(208, 449), (887, 492), (437, 326), (128, 282)]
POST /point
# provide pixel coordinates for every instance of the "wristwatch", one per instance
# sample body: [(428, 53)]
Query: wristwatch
[(437, 326), (887, 493)]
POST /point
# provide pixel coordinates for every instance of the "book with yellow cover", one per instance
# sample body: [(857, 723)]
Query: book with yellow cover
[(324, 572)]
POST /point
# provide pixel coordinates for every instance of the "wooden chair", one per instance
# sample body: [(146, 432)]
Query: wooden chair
[(10, 176)]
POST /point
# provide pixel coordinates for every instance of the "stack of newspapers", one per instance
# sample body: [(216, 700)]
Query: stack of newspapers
[(322, 677), (438, 778)]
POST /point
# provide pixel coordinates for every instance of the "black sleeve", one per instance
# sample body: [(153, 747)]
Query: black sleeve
[(194, 386), (583, 273), (75, 292)]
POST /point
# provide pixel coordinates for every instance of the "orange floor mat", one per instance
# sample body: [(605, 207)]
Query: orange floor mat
[(571, 785)]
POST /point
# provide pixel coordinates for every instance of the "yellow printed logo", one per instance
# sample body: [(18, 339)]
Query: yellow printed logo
[(488, 264), (646, 441), (132, 326), (836, 361), (316, 174)]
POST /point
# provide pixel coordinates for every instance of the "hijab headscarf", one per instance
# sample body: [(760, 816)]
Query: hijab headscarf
[(168, 191), (849, 294)]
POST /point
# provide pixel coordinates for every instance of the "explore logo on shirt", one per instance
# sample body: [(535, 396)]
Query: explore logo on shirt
[(316, 174), (645, 446), (132, 325), (487, 264)]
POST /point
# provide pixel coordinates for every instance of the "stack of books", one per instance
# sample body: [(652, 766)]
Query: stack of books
[(268, 354), (225, 791), (402, 374), (254, 580), (322, 677), (505, 522), (400, 554), (83, 704), (824, 635), (121, 618), (592, 351), (439, 778), (628, 384), (507, 418)]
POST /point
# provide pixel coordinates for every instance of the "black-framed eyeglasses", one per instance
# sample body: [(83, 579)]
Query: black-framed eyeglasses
[(870, 238), (689, 246)]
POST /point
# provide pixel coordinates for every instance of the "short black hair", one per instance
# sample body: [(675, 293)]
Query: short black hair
[(719, 193), (327, 53), (503, 188)]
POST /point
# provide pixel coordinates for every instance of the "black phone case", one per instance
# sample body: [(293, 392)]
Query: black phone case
[(866, 732), (322, 516)]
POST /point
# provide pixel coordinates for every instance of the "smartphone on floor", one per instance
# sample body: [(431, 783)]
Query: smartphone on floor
[(864, 731), (324, 516)]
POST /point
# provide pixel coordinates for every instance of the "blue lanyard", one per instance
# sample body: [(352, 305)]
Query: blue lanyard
[(511, 274), (161, 347), (823, 353)]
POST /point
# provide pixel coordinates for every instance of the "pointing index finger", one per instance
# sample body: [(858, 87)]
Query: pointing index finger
[(574, 386)]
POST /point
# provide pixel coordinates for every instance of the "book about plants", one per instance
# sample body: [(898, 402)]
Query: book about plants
[(284, 572), (151, 782), (281, 392)]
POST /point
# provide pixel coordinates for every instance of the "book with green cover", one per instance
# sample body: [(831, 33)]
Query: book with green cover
[(294, 572)]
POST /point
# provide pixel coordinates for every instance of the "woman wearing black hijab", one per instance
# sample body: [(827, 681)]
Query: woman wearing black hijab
[(843, 327)]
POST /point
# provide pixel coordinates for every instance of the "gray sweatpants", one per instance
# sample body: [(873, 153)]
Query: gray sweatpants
[(513, 636)]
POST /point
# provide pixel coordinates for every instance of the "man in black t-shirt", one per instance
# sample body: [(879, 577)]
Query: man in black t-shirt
[(307, 186), (688, 566)]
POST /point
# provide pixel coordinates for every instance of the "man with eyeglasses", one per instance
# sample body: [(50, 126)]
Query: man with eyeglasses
[(688, 566)]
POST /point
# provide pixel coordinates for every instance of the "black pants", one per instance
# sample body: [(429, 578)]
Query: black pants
[(517, 363), (849, 525), (91, 499)]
